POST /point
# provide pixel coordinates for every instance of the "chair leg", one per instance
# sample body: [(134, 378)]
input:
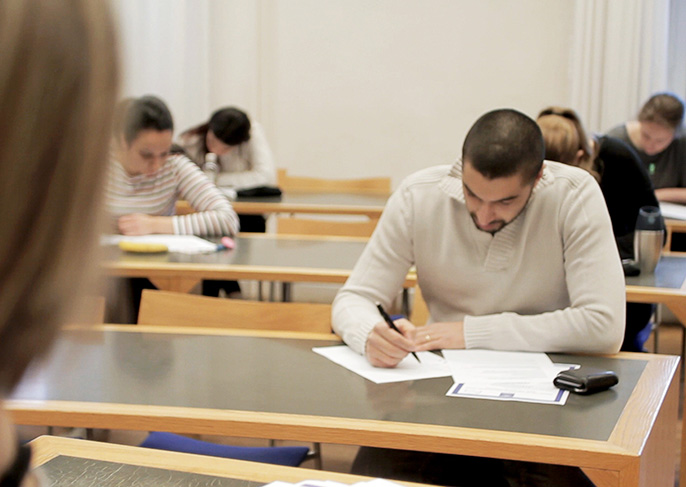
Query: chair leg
[(683, 350), (286, 292), (318, 453)]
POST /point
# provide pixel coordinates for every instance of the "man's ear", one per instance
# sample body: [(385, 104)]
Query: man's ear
[(539, 175)]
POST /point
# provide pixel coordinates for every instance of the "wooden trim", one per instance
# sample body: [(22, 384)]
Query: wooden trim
[(265, 207), (45, 448)]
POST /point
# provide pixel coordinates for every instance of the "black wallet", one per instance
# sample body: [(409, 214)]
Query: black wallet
[(259, 191), (586, 380)]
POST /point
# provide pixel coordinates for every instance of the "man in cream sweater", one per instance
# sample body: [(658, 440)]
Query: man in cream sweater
[(511, 252)]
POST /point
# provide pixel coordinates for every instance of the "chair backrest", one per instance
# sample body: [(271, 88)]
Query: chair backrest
[(311, 226), (287, 182), (420, 313), (183, 207), (178, 309)]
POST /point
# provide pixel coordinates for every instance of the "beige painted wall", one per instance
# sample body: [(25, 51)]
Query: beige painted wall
[(356, 88)]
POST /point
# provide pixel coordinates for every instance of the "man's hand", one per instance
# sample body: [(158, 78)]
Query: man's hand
[(142, 224), (386, 347), (438, 336)]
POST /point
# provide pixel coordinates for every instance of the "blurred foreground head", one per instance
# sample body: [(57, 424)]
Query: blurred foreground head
[(58, 83)]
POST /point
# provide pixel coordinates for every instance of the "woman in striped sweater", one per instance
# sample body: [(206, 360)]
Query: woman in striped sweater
[(145, 180)]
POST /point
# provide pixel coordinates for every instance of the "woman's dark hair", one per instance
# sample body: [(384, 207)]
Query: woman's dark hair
[(230, 125), (664, 109), (133, 115)]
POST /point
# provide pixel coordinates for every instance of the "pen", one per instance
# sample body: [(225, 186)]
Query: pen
[(390, 323)]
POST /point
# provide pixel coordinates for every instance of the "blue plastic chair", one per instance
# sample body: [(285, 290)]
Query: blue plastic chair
[(291, 456)]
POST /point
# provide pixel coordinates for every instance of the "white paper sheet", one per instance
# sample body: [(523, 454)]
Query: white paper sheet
[(673, 210), (331, 483), (431, 365), (185, 244), (505, 376)]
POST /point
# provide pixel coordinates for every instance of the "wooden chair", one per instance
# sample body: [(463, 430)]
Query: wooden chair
[(311, 226), (164, 308), (183, 207), (179, 309), (380, 186), (335, 225), (420, 313)]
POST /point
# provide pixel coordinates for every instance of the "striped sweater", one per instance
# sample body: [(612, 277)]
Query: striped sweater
[(156, 194)]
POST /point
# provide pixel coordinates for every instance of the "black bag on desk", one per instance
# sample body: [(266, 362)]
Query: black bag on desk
[(258, 191)]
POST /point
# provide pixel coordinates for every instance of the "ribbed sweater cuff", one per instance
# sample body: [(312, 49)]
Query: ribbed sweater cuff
[(358, 339), (479, 331)]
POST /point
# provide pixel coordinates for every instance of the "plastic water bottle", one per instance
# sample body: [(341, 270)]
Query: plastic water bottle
[(648, 238), (211, 167)]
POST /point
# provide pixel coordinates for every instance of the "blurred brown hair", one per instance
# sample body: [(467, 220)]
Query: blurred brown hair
[(58, 82), (564, 137), (664, 109)]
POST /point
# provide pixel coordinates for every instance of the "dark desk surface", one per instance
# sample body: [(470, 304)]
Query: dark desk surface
[(266, 257), (66, 471), (270, 375), (265, 250), (670, 273), (145, 378)]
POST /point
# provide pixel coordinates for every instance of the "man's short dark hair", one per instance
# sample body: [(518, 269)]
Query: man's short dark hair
[(505, 142), (134, 115)]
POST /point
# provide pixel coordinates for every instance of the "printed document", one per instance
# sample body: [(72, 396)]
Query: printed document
[(505, 376)]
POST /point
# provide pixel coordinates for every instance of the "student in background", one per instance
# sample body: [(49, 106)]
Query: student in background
[(242, 160), (623, 180), (58, 81), (145, 180), (659, 138), (243, 157)]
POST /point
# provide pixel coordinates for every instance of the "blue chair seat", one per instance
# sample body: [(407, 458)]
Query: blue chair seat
[(291, 456)]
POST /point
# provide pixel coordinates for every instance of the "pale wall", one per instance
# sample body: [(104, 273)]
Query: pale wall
[(356, 88)]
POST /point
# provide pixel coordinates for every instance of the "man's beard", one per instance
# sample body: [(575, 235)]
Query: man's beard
[(500, 223)]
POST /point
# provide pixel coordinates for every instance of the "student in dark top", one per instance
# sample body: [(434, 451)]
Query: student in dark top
[(624, 181)]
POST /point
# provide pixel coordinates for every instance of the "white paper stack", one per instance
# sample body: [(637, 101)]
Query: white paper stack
[(505, 376), (331, 483), (185, 244)]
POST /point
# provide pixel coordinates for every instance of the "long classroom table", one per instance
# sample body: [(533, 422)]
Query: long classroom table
[(261, 257), (271, 385)]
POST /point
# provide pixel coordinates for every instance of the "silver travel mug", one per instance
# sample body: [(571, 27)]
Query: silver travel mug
[(648, 238)]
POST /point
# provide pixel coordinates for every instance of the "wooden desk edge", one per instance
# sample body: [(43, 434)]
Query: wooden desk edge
[(45, 448)]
